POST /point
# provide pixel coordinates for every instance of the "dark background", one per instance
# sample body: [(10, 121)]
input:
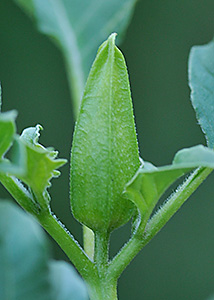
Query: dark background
[(179, 262)]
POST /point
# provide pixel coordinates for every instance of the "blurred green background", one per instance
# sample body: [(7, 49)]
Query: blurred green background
[(179, 262)]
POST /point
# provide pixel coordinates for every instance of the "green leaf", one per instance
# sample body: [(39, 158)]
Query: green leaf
[(17, 164), (149, 183), (7, 131), (78, 28), (41, 164), (104, 151), (7, 136), (201, 80), (23, 256), (26, 272), (66, 283)]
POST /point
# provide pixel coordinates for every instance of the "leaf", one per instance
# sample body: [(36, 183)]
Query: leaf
[(26, 272), (66, 283), (149, 183), (104, 153), (201, 80), (78, 28), (41, 163), (17, 164), (7, 136), (23, 256), (7, 131)]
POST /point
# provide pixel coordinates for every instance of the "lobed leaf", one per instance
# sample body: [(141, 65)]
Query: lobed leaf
[(149, 183), (78, 28), (104, 154), (201, 80), (26, 272)]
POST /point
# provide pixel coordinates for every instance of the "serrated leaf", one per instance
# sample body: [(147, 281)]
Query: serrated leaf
[(41, 162), (201, 80), (78, 28), (66, 283), (23, 256), (149, 183), (104, 151)]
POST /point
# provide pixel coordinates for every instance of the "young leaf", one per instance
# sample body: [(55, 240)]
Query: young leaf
[(201, 80), (149, 183), (78, 28), (104, 153), (41, 164)]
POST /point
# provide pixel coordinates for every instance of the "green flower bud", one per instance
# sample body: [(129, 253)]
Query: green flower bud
[(104, 154)]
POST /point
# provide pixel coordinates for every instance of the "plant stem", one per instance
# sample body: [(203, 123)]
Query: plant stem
[(105, 287), (103, 290), (75, 81), (68, 244), (101, 252), (19, 193), (139, 240), (177, 199)]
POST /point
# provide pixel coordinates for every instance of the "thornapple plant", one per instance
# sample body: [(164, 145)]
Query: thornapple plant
[(109, 183)]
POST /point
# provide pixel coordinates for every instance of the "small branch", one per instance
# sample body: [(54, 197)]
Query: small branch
[(19, 193), (68, 244), (138, 241), (177, 199)]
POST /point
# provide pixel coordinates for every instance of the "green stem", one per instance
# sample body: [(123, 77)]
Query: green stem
[(103, 290), (175, 202), (139, 240), (19, 193), (75, 82), (101, 252), (68, 244), (106, 286)]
